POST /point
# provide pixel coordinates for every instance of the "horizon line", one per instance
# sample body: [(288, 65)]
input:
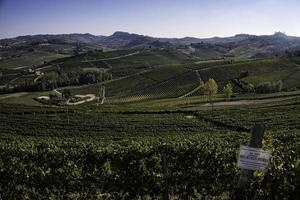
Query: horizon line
[(197, 37)]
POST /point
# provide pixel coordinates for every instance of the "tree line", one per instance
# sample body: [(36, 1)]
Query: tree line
[(57, 79)]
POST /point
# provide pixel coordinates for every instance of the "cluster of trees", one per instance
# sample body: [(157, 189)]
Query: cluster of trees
[(57, 79), (53, 80), (210, 88), (269, 87), (265, 87)]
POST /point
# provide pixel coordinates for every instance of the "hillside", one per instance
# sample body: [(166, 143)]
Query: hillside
[(247, 46), (61, 134), (238, 46), (141, 74), (128, 148)]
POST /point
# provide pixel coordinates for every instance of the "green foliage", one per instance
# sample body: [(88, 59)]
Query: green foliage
[(269, 87), (227, 91), (99, 153), (53, 96), (249, 88), (202, 88), (199, 166), (211, 87), (258, 70), (66, 93)]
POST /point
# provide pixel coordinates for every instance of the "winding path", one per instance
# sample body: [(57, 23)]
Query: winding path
[(38, 77), (13, 95), (112, 58), (196, 89), (91, 97)]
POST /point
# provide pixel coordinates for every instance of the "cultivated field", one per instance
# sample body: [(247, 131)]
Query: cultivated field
[(155, 133)]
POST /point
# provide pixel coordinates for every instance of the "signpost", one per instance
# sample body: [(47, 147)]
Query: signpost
[(252, 158)]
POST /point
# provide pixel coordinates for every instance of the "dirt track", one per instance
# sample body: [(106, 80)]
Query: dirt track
[(91, 98), (233, 103), (112, 58), (19, 94)]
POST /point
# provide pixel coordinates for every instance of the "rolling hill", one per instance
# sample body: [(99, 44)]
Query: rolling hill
[(183, 79), (238, 46), (145, 74)]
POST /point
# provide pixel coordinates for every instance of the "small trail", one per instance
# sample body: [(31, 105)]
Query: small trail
[(196, 89), (91, 97), (57, 92), (46, 67), (109, 65), (19, 94), (102, 101), (22, 76), (22, 67), (113, 58), (14, 79), (234, 103), (37, 78)]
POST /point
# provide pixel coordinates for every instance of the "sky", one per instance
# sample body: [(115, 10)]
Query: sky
[(158, 18)]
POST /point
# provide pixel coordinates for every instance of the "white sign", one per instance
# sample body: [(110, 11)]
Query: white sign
[(253, 158)]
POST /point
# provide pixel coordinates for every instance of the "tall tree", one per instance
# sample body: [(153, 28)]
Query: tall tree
[(202, 88), (211, 89), (227, 91)]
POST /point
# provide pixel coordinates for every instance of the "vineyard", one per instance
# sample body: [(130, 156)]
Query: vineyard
[(123, 62), (135, 151), (161, 82), (201, 166), (259, 71), (155, 136)]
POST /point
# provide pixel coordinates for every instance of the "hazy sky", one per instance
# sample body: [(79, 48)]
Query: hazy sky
[(161, 18)]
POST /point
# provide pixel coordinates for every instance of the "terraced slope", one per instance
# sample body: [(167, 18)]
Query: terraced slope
[(123, 62), (181, 80), (262, 70), (163, 82)]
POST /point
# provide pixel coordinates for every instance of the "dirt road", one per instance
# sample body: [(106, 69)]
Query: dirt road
[(6, 96), (91, 98), (112, 58), (232, 103)]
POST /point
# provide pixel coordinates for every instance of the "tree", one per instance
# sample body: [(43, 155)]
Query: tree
[(269, 87), (227, 91), (278, 85), (202, 88), (53, 96), (211, 89), (249, 88)]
